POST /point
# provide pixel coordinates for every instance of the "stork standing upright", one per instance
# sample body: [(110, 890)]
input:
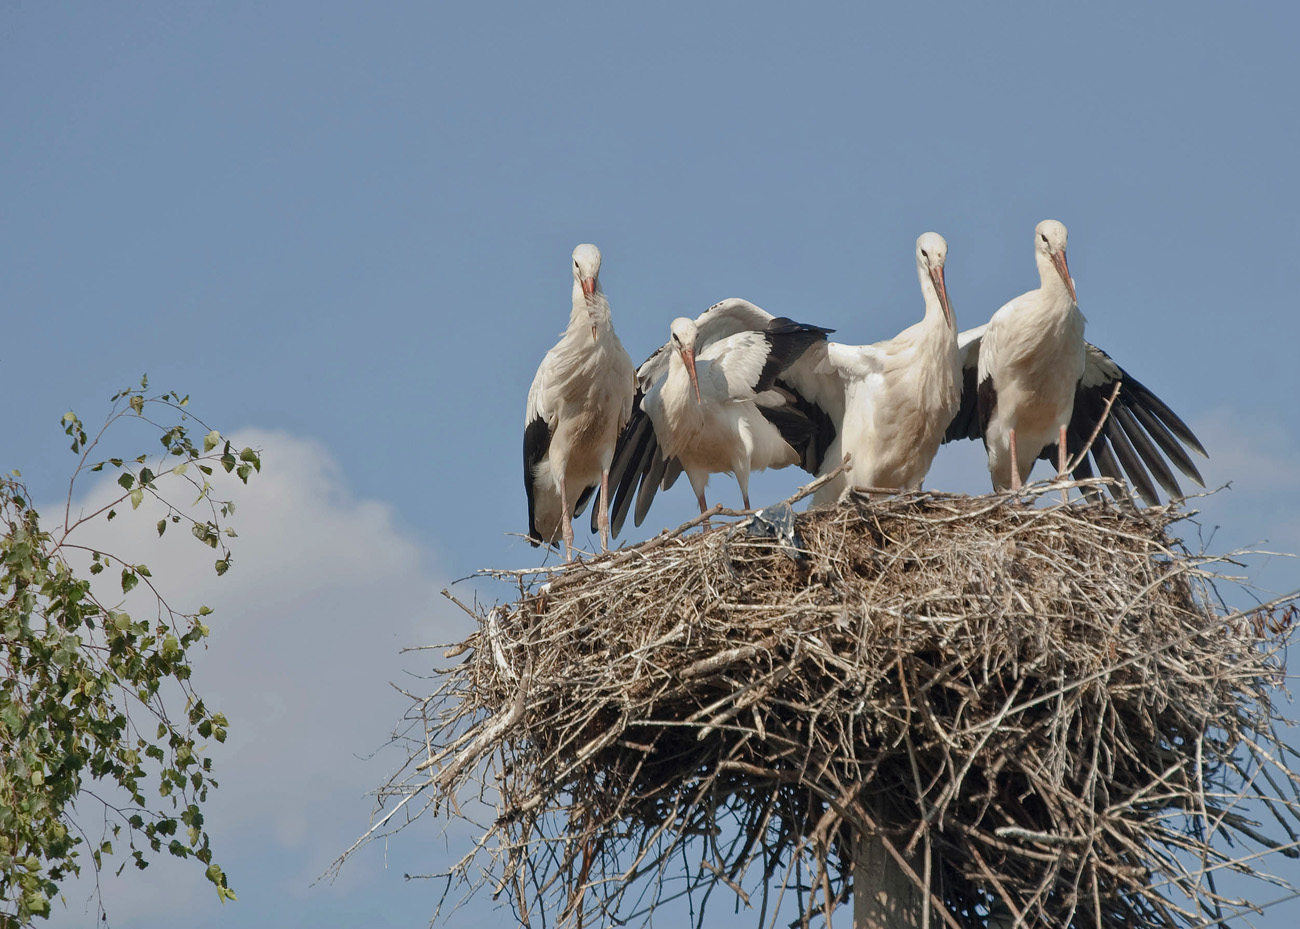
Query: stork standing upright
[(708, 405), (580, 398), (888, 403), (1030, 361), (1033, 388)]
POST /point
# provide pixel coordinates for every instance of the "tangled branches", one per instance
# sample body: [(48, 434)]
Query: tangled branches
[(1039, 712)]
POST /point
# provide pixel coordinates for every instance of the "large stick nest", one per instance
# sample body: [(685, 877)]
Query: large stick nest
[(1041, 712)]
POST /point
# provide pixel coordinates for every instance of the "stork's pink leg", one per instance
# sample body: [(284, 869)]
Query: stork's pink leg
[(703, 506), (603, 520), (1015, 463), (745, 498), (1063, 460), (566, 521)]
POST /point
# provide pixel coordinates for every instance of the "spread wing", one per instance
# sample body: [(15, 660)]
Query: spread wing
[(1137, 442), (1138, 429), (748, 350)]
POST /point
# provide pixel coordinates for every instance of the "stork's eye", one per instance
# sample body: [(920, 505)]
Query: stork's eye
[(925, 254)]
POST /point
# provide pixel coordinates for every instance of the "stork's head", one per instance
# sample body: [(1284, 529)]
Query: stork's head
[(586, 268), (1049, 246), (931, 253), (683, 334)]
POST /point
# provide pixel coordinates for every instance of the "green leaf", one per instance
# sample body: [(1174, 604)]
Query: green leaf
[(79, 679)]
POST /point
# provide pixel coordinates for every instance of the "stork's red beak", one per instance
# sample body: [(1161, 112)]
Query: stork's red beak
[(688, 356), (936, 275), (1058, 259), (588, 285)]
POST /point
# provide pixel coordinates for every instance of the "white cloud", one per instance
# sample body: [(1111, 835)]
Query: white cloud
[(1253, 451), (324, 591), (1260, 458)]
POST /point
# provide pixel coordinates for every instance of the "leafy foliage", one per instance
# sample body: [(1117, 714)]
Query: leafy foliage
[(96, 704)]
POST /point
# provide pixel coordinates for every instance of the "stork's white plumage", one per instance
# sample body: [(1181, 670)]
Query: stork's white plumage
[(580, 398), (1030, 360), (1033, 388), (887, 403), (709, 403)]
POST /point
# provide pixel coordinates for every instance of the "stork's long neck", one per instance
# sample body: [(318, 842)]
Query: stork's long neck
[(935, 321), (589, 311), (1056, 294), (685, 413)]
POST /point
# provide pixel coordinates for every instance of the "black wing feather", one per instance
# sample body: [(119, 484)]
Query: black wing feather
[(966, 424), (1141, 396), (806, 426), (1138, 428), (1137, 475), (986, 399), (635, 443), (650, 482), (787, 340), (537, 439), (1147, 451), (1171, 446), (1107, 466)]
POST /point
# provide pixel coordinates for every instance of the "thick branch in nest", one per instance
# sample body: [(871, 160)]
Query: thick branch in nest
[(1045, 700)]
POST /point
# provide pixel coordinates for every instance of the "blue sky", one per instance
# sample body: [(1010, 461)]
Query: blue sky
[(345, 230)]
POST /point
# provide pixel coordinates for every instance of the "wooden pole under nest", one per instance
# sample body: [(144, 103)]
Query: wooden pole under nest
[(883, 895)]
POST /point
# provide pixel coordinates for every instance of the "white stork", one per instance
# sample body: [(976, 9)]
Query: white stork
[(580, 399), (709, 404), (1033, 388), (886, 404)]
